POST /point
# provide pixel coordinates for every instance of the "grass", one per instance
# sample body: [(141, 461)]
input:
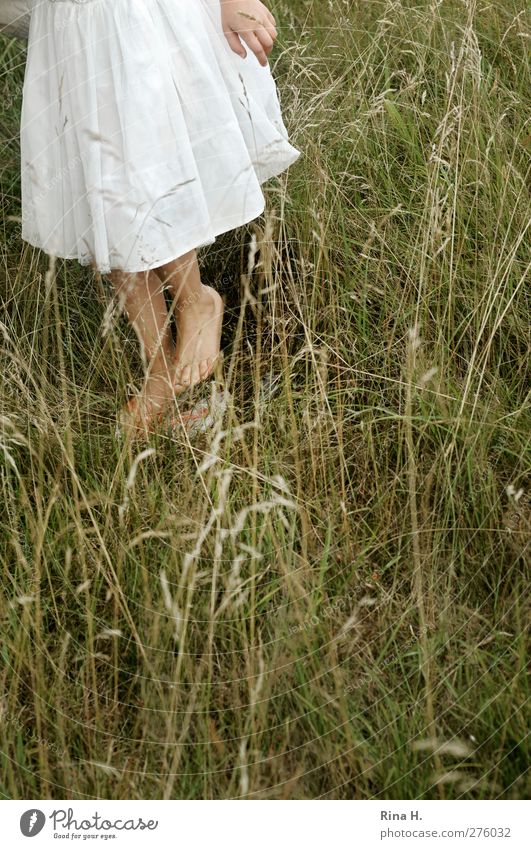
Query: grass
[(325, 596)]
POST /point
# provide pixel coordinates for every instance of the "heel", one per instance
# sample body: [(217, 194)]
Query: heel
[(133, 424)]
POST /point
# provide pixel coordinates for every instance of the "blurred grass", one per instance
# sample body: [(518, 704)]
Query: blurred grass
[(327, 599)]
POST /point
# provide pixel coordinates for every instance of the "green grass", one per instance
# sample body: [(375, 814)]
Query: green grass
[(328, 597)]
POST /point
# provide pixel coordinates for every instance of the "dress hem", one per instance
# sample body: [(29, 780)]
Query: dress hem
[(246, 220)]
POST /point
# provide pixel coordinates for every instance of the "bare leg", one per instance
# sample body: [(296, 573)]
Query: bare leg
[(198, 311), (142, 298)]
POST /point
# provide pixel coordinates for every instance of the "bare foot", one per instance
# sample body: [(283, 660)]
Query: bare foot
[(149, 407), (199, 324)]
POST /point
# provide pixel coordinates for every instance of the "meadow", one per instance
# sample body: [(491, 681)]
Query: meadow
[(325, 594)]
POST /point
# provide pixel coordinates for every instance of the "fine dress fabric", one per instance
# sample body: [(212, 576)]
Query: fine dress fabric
[(143, 135)]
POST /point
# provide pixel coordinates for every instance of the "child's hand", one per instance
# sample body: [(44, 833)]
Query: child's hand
[(252, 22)]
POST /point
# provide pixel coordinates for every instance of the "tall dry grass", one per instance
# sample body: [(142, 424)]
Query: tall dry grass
[(324, 595)]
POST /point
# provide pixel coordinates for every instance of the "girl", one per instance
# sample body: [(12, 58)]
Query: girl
[(147, 129)]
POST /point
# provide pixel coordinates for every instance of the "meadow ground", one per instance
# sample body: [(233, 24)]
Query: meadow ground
[(325, 595)]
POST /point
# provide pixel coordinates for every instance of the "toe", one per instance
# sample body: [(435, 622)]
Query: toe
[(205, 368), (196, 373), (185, 375), (178, 376)]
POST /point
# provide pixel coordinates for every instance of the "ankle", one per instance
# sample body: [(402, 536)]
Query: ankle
[(155, 347), (200, 299), (160, 361)]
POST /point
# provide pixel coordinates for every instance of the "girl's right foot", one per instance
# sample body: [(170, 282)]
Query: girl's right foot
[(146, 411)]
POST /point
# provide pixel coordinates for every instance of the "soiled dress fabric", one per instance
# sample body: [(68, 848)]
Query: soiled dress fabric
[(143, 135)]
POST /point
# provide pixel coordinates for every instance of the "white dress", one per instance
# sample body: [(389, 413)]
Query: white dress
[(143, 135)]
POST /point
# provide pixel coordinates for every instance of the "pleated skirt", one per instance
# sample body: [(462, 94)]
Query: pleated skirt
[(143, 135)]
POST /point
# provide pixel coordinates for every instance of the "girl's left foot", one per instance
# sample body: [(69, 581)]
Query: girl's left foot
[(199, 322)]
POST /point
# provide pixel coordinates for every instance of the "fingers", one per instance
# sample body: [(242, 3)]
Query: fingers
[(235, 43), (271, 29), (265, 38), (260, 42), (253, 43), (259, 38)]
